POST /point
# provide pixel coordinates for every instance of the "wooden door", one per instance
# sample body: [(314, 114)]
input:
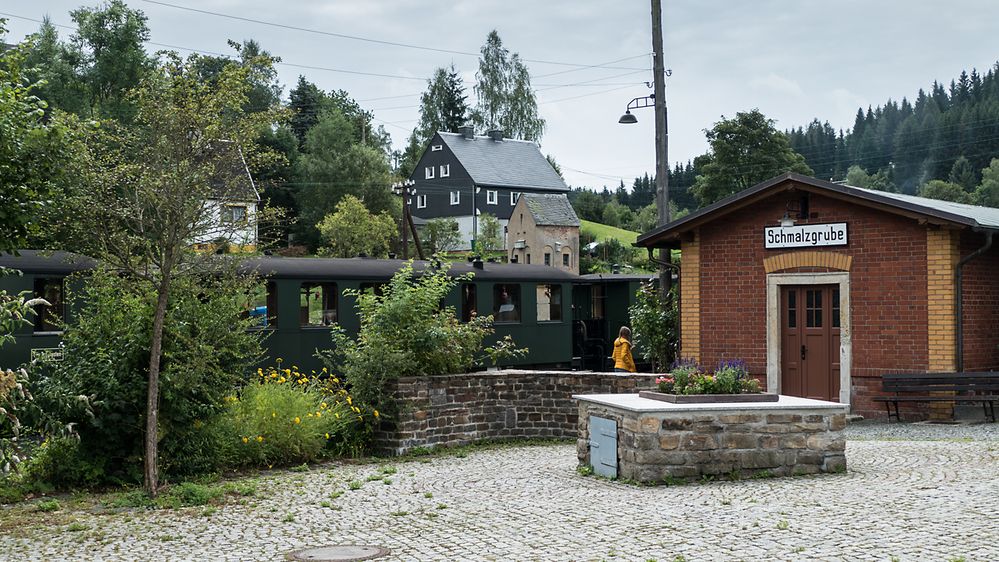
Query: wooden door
[(810, 325)]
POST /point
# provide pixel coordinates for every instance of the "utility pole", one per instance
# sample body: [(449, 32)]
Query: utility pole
[(662, 144), (407, 189)]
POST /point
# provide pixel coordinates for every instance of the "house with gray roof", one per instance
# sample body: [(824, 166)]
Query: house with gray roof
[(463, 175), (544, 229), (231, 212)]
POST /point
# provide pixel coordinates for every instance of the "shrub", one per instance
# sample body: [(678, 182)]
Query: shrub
[(286, 417), (686, 377), (654, 325)]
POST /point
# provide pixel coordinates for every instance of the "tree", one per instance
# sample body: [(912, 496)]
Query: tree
[(858, 177), (50, 64), (442, 235), (963, 174), (490, 233), (306, 102), (506, 99), (987, 193), (744, 151), (443, 107), (945, 191), (149, 188), (31, 151), (353, 230), (616, 214)]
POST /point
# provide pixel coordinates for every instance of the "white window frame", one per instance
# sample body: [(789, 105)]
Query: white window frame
[(421, 201), (445, 170), (455, 197), (514, 197), (229, 213), (428, 172), (436, 147), (492, 197)]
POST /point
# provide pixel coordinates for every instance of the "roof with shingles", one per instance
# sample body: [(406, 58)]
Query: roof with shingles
[(505, 163), (550, 209), (232, 180)]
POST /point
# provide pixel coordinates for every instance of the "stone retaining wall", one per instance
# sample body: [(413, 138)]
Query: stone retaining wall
[(461, 409), (660, 446)]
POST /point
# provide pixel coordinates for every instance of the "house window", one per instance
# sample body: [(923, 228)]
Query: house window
[(528, 259), (549, 303), (506, 302), (421, 201), (469, 307), (445, 170), (48, 317), (455, 197), (565, 260), (234, 214), (514, 197), (317, 305), (436, 147), (548, 258), (491, 197), (428, 172), (262, 307)]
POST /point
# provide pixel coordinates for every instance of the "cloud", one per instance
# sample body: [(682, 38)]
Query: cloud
[(777, 84)]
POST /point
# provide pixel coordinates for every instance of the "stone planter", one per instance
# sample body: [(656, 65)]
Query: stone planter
[(708, 398)]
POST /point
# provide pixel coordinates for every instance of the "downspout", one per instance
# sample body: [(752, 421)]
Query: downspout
[(959, 296)]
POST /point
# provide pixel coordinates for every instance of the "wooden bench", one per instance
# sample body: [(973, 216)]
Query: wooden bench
[(966, 387)]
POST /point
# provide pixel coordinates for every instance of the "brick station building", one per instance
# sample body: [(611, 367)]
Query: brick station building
[(822, 287)]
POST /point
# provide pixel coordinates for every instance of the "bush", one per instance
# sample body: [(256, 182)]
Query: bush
[(100, 385), (286, 417), (654, 324)]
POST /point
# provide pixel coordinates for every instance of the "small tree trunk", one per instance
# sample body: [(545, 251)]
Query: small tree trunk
[(151, 473)]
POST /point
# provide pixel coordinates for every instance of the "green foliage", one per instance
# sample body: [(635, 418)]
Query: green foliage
[(745, 150), (443, 107), (442, 235), (654, 325), (100, 385), (858, 177), (506, 99), (686, 377), (287, 417), (987, 193), (46, 506), (353, 230), (945, 191), (490, 233), (963, 174)]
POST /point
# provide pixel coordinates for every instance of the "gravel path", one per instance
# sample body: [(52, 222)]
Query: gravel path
[(911, 492)]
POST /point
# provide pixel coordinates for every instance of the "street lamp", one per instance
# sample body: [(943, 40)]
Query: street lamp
[(646, 101), (406, 189)]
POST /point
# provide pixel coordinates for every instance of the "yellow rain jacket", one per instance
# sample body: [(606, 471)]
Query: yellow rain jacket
[(622, 355)]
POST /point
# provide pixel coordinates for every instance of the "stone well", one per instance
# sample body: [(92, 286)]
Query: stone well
[(660, 442)]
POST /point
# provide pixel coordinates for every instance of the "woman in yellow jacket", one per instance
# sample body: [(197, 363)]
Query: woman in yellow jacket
[(623, 361)]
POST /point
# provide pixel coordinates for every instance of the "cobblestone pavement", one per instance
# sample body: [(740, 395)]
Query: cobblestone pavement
[(911, 492)]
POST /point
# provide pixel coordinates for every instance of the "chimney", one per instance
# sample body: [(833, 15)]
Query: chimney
[(495, 134), (467, 131)]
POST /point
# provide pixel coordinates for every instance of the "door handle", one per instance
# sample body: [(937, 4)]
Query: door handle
[(803, 351)]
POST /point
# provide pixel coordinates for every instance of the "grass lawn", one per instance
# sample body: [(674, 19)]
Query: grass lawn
[(603, 232)]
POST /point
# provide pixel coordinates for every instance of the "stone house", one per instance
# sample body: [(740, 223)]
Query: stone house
[(544, 229)]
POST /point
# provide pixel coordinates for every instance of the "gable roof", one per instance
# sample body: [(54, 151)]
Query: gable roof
[(932, 210), (232, 181), (550, 209), (505, 163)]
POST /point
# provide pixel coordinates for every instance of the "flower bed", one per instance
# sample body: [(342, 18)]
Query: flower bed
[(687, 382), (708, 398)]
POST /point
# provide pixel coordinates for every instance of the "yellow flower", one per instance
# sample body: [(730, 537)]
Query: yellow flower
[(298, 420), (273, 414), (260, 439), (319, 414), (349, 401), (324, 405), (324, 370), (245, 440), (309, 414), (356, 409), (327, 435), (337, 414), (376, 413), (281, 380)]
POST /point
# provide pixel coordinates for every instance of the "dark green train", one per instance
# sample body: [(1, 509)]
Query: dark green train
[(565, 320)]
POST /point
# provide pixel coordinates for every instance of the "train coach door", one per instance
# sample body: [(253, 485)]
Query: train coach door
[(810, 341)]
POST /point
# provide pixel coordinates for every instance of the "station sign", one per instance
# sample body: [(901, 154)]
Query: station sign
[(805, 236)]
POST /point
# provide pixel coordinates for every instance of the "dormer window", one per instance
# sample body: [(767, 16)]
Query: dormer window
[(455, 197), (514, 197), (421, 201), (428, 172), (436, 147), (445, 170), (491, 197)]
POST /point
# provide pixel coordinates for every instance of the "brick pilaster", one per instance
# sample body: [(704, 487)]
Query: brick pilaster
[(690, 299), (942, 255)]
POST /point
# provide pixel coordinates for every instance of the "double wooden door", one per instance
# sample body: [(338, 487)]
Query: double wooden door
[(810, 341)]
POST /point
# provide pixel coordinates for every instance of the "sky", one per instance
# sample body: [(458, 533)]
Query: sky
[(795, 60)]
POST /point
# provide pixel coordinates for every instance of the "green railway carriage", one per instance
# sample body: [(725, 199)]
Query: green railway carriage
[(600, 308)]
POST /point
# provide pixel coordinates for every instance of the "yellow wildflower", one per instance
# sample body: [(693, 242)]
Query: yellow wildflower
[(337, 414), (319, 414), (309, 414), (298, 420), (324, 405), (349, 401), (324, 370), (281, 380), (273, 414), (245, 440), (260, 439), (356, 409), (376, 413), (327, 435)]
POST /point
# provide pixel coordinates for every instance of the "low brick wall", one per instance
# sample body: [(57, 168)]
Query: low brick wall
[(684, 443), (461, 409)]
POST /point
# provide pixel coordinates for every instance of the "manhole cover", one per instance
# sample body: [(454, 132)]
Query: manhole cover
[(339, 553)]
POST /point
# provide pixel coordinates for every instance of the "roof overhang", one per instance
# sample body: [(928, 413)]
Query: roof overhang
[(670, 235)]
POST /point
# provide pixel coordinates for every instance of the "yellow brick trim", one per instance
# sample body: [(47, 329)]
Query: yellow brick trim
[(690, 299), (942, 254), (791, 260)]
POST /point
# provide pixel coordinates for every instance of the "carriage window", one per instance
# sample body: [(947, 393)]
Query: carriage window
[(549, 303), (468, 305), (263, 306), (48, 318), (317, 304), (506, 302), (597, 300)]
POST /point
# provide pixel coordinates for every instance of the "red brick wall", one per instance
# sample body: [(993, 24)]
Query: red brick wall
[(888, 287), (981, 305)]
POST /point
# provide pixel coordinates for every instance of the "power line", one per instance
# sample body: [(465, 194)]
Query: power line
[(365, 39)]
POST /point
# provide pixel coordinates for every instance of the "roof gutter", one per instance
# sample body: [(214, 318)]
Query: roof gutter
[(959, 296)]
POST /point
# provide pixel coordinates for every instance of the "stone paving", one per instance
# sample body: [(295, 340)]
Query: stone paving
[(910, 493)]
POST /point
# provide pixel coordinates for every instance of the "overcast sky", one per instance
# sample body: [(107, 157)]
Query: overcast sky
[(792, 59)]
